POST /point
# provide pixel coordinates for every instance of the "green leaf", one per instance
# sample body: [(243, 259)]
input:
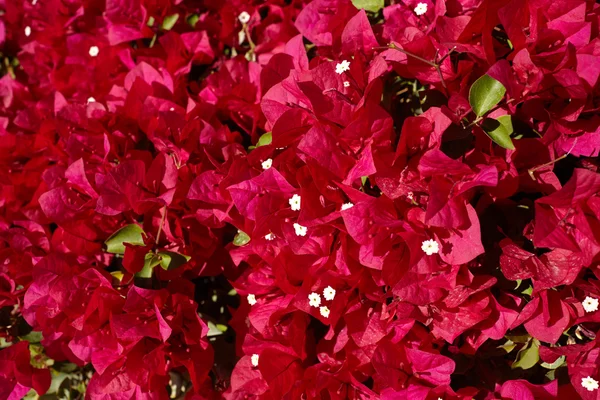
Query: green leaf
[(499, 130), (528, 356), (171, 260), (131, 234), (508, 346), (151, 21), (519, 338), (485, 93), (241, 238), (559, 361), (213, 330), (192, 19), (368, 5), (33, 337), (528, 291), (169, 22), (264, 139), (151, 260)]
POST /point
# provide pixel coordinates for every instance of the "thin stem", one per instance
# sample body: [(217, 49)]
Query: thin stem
[(477, 120), (423, 60), (416, 57), (532, 170), (162, 221)]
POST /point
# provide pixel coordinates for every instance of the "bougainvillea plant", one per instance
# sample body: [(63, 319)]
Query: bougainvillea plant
[(296, 199)]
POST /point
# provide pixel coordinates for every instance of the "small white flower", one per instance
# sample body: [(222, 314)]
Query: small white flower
[(314, 300), (27, 31), (251, 299), (346, 206), (94, 50), (589, 383), (172, 109), (421, 9), (410, 195), (346, 84), (295, 202), (91, 100), (430, 247), (324, 311), (254, 360), (244, 17), (270, 236), (329, 293), (300, 230), (267, 163), (342, 67), (590, 304)]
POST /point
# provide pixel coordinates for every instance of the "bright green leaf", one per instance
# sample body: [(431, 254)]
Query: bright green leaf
[(265, 139), (169, 22), (528, 356), (118, 275), (369, 5), (528, 291), (485, 93), (241, 238), (499, 130), (131, 234), (171, 260)]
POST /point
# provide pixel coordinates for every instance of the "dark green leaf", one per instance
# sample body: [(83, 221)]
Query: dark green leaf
[(499, 130), (369, 5), (519, 338), (131, 234), (171, 260), (192, 19), (485, 93), (169, 22), (241, 238), (33, 337)]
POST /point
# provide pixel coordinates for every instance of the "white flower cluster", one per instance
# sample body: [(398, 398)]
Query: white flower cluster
[(314, 300)]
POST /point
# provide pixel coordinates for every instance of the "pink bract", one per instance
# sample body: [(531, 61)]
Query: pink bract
[(306, 199)]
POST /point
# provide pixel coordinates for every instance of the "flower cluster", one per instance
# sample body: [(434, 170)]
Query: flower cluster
[(300, 199)]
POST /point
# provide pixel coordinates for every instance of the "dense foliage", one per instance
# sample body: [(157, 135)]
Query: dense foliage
[(296, 199)]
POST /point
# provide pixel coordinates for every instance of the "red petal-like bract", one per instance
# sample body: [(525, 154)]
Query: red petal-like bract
[(307, 199)]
